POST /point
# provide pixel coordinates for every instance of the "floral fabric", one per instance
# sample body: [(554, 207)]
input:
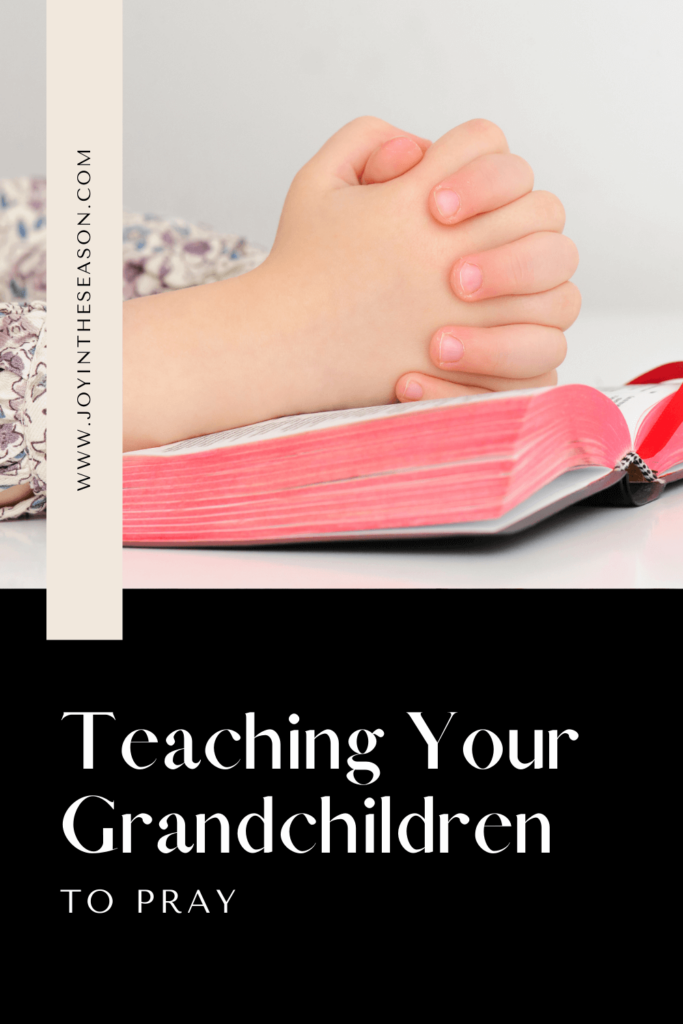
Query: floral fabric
[(22, 239), (158, 255), (23, 404)]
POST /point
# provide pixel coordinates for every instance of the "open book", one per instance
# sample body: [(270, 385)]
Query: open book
[(486, 464)]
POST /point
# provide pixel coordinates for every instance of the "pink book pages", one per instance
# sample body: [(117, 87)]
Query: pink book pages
[(395, 468)]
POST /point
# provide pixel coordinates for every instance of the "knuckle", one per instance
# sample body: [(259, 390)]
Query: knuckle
[(304, 176), (551, 209), (572, 251), (569, 305), (487, 129), (368, 121), (560, 348), (526, 169)]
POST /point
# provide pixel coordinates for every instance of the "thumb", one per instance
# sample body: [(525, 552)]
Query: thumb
[(394, 158), (369, 150)]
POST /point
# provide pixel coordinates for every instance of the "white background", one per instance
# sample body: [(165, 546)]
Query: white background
[(225, 100), (22, 88)]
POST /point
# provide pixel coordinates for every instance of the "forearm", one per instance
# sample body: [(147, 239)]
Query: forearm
[(201, 360)]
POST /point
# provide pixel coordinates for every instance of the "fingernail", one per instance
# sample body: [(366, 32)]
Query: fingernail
[(447, 202), (470, 278), (412, 391), (450, 349), (401, 142)]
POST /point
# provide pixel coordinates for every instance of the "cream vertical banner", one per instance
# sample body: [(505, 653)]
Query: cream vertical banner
[(84, 202)]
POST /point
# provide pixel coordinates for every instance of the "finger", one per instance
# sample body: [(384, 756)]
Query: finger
[(459, 147), (490, 181), (418, 387), (346, 154), (393, 158), (516, 351), (536, 211), (532, 264), (558, 307)]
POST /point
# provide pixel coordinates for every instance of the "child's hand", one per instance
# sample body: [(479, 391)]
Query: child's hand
[(371, 257), (506, 343), (480, 359), (463, 220)]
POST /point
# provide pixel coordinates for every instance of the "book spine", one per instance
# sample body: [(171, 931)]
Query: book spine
[(638, 485), (638, 470)]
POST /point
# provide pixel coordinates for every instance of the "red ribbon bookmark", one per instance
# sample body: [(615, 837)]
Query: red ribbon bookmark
[(671, 416), (668, 371)]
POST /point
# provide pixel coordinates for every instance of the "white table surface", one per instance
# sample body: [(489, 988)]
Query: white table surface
[(578, 548), (22, 554)]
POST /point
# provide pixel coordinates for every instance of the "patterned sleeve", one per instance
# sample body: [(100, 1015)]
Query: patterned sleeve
[(23, 235), (163, 255), (23, 404), (23, 343)]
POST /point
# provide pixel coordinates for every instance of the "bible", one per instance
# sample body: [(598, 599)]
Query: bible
[(485, 464)]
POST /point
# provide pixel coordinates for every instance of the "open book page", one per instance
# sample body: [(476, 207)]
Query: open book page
[(636, 400), (285, 426)]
